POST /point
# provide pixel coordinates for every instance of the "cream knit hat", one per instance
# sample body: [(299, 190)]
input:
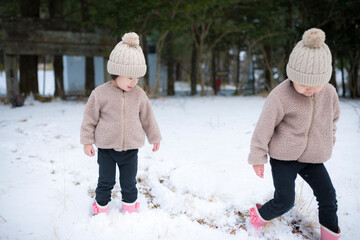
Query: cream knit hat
[(127, 58), (310, 60)]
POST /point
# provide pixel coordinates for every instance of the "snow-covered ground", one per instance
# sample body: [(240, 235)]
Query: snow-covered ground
[(198, 186)]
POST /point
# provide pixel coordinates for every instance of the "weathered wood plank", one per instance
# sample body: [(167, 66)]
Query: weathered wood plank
[(55, 49), (25, 23), (59, 37), (51, 37)]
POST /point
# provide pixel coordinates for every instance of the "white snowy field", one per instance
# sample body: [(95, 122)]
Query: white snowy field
[(198, 186)]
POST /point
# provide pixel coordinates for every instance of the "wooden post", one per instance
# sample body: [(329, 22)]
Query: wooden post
[(106, 74), (12, 83), (89, 75)]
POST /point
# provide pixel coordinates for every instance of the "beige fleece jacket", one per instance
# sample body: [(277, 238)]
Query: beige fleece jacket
[(293, 127), (117, 119)]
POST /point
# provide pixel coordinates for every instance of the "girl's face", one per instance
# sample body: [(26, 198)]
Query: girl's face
[(126, 83), (307, 90)]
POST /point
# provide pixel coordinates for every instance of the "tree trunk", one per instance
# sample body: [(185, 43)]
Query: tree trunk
[(56, 11), (85, 13), (237, 69), (59, 77), (269, 80), (245, 69), (157, 80), (356, 78), (333, 75), (252, 76), (193, 75), (89, 61), (30, 8), (200, 63), (178, 72), (28, 63), (170, 66), (213, 71), (342, 76), (289, 26), (146, 53), (353, 73), (159, 46)]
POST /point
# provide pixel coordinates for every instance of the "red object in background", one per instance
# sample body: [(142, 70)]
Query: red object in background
[(218, 83)]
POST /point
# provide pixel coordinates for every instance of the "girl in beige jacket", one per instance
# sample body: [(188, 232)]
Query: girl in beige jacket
[(117, 116), (297, 130)]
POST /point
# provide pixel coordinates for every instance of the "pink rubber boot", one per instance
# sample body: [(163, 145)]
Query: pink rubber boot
[(97, 209), (256, 220), (327, 234), (130, 207)]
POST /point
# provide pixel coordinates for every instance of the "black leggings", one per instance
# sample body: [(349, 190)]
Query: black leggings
[(127, 162), (284, 174)]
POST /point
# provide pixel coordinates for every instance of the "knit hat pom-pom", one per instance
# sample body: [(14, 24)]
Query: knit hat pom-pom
[(313, 38), (131, 39)]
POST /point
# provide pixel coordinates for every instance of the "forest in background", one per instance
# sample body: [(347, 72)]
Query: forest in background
[(196, 40)]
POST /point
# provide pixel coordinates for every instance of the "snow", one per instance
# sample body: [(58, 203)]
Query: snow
[(197, 186)]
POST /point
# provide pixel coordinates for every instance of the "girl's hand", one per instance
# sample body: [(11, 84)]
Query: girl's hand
[(89, 150), (259, 170), (156, 147)]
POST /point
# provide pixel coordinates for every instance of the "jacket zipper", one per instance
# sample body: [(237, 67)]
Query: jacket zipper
[(311, 121), (123, 145)]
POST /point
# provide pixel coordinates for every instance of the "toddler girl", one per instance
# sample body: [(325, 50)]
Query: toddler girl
[(297, 130), (117, 116)]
